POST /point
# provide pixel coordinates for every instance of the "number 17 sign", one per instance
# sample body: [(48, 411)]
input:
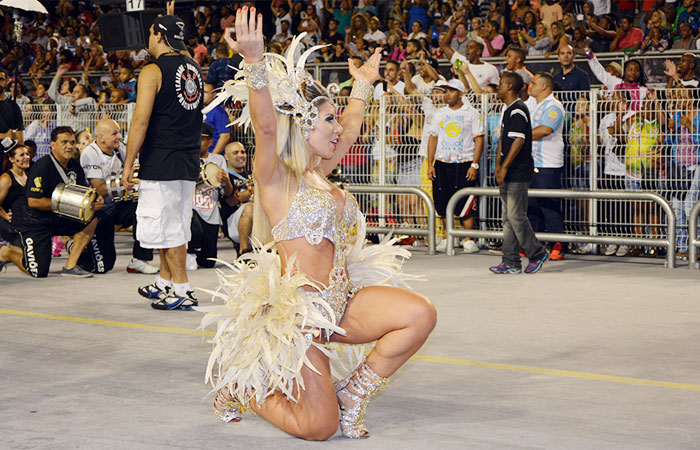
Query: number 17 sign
[(134, 5)]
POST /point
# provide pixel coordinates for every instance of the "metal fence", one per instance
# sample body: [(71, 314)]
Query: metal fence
[(612, 142), (41, 119)]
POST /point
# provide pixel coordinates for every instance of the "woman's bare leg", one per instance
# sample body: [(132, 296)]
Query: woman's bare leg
[(400, 320), (315, 416)]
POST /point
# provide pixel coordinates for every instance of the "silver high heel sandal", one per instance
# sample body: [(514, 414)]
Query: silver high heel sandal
[(360, 386), (228, 408)]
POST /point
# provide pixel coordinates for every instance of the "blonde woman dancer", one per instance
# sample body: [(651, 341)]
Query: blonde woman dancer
[(312, 284)]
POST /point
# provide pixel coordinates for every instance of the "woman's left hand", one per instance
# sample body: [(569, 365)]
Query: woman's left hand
[(369, 71)]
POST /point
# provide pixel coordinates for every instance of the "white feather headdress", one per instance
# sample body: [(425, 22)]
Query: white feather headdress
[(287, 79)]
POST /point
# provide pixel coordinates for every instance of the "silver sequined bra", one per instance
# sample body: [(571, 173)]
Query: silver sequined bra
[(314, 215)]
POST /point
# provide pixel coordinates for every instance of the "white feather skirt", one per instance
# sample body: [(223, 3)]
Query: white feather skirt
[(266, 324)]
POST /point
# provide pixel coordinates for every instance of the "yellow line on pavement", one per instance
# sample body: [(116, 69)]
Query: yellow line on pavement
[(110, 323), (434, 359)]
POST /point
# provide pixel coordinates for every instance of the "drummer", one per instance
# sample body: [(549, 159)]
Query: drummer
[(100, 159), (237, 209), (35, 221), (206, 220)]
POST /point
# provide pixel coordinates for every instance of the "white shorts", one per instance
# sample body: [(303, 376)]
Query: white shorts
[(164, 213), (232, 223)]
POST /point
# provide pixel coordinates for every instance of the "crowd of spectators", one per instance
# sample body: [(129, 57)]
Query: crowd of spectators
[(69, 39)]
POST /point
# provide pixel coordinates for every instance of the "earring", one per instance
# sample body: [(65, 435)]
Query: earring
[(306, 135)]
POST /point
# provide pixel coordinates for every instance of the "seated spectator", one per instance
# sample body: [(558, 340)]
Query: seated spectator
[(520, 8), (686, 41), (393, 49), (568, 22), (459, 30), (420, 83), (687, 13), (118, 97), (559, 38), (658, 19), (198, 50), (126, 81), (529, 23), (655, 41), (493, 40), (416, 31), (358, 47), (601, 33), (39, 130), (478, 27), (579, 41), (494, 15), (683, 74), (358, 28), (628, 37), (437, 29), (540, 44), (414, 49), (325, 54), (551, 12), (96, 60), (284, 33), (512, 41), (332, 33), (374, 34)]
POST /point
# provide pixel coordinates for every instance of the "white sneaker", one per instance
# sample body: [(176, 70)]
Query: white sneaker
[(470, 246), (622, 250), (441, 246), (141, 266), (610, 250), (191, 262), (584, 249)]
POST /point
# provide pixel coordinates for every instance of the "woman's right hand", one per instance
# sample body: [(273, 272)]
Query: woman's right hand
[(249, 41)]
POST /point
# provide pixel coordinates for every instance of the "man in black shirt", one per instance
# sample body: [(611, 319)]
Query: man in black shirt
[(11, 123), (514, 168), (571, 78), (165, 135), (35, 221)]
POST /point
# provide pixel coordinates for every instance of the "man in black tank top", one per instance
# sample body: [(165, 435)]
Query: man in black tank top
[(165, 135)]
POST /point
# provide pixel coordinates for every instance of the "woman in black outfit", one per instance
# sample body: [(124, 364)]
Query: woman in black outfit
[(16, 163)]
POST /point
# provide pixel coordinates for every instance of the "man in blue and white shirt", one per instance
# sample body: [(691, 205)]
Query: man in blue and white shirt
[(548, 155)]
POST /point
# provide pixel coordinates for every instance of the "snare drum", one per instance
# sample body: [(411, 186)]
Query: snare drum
[(117, 192), (207, 176), (74, 201)]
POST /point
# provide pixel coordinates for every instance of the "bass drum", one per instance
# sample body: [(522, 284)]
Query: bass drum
[(74, 201)]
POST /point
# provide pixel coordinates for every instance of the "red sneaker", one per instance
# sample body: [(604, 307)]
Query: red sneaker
[(557, 253)]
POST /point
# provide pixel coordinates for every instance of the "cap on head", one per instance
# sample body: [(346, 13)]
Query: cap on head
[(207, 130), (616, 67), (455, 84), (173, 30), (441, 84)]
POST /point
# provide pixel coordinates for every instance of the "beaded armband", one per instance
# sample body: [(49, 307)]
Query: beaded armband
[(361, 90), (256, 75)]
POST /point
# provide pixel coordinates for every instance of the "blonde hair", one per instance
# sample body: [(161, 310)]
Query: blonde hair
[(293, 153)]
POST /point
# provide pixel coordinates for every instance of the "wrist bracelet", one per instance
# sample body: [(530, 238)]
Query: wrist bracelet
[(256, 75), (361, 90)]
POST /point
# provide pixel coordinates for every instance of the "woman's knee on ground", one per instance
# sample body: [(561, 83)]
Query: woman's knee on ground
[(320, 430)]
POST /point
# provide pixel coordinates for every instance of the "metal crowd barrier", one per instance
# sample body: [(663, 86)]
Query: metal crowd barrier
[(693, 241), (669, 242), (430, 232)]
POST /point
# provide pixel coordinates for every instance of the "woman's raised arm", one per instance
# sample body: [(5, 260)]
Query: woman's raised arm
[(250, 45), (352, 117)]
